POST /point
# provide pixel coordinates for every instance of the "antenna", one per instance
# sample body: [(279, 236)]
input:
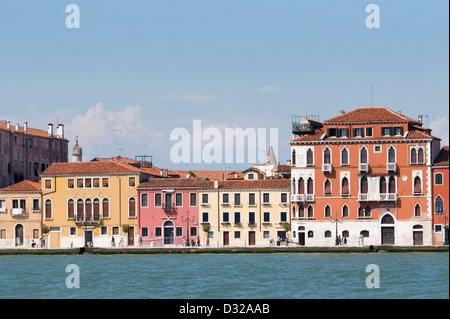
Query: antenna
[(121, 138)]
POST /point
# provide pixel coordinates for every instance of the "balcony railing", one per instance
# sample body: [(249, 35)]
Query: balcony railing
[(364, 167), (297, 198), (326, 168), (94, 219), (377, 197), (388, 197), (309, 198), (18, 212), (168, 206), (391, 167)]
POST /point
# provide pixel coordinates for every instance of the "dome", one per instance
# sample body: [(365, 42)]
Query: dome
[(77, 150)]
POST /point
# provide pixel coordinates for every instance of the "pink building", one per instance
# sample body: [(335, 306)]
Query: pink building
[(168, 211)]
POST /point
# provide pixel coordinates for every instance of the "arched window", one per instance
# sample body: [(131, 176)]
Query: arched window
[(132, 207), (96, 209), (417, 186), (309, 158), (327, 234), (88, 209), (383, 188), (327, 187), (420, 159), (391, 155), (345, 213), (293, 186), (344, 156), (413, 156), (392, 185), (80, 209), (439, 205), (48, 209), (368, 212), (310, 212), (310, 186), (327, 211), (387, 219), (326, 156), (361, 212), (364, 233), (364, 185), (345, 233), (301, 211), (345, 188), (105, 208), (301, 186), (363, 155), (417, 211), (293, 158), (70, 209), (310, 234), (293, 211)]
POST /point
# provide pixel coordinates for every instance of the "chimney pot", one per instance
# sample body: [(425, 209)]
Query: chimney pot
[(216, 184), (8, 125), (50, 129), (25, 127), (17, 127)]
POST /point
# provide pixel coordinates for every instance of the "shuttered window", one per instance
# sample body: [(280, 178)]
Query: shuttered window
[(96, 209), (383, 188), (132, 207), (392, 185), (310, 186), (364, 185), (327, 187), (71, 209), (80, 209), (105, 208), (301, 186), (88, 208), (417, 186), (345, 188)]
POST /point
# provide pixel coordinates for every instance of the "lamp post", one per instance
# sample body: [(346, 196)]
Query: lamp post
[(444, 219), (336, 221), (187, 220)]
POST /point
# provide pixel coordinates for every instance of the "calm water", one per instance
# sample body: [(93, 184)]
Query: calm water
[(243, 276)]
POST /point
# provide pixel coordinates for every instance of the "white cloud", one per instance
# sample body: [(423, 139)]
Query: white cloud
[(179, 96), (440, 128), (269, 89)]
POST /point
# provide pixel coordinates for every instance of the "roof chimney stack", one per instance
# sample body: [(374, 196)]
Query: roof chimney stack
[(50, 129), (342, 112), (60, 131), (25, 127), (8, 125), (420, 119), (17, 127), (216, 184)]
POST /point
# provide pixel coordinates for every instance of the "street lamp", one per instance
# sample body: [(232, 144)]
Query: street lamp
[(444, 219), (337, 221), (187, 220)]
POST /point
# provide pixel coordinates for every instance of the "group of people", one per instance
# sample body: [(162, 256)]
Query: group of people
[(41, 243), (342, 240), (194, 243), (113, 242)]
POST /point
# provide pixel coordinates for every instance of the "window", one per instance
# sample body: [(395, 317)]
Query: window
[(345, 187), (144, 232), (266, 198), (358, 132), (131, 181), (344, 156), (251, 176), (327, 211), (178, 199), (225, 217), (301, 186), (364, 187), (2, 233), (327, 234), (345, 211), (266, 234), (193, 231), (251, 218), (204, 198), (438, 179), (420, 159), (293, 158), (369, 131), (310, 186), (413, 156), (386, 131), (237, 218), (105, 182), (364, 212), (132, 207), (80, 209), (105, 208), (310, 212), (251, 199), (391, 155), (158, 231), (96, 182), (80, 183), (2, 205), (88, 182), (96, 209), (48, 184), (283, 217), (158, 200), (35, 233), (266, 217), (439, 205), (310, 234), (284, 198), (309, 157), (417, 211), (115, 230), (398, 130), (363, 155), (193, 199), (179, 231), (392, 184), (326, 156), (237, 199), (70, 209), (377, 148), (205, 217), (237, 234), (343, 132), (73, 231), (70, 183), (417, 186), (225, 198), (327, 187), (48, 209), (36, 205), (301, 211), (144, 200)]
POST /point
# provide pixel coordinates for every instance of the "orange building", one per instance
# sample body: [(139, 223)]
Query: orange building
[(440, 197), (364, 175)]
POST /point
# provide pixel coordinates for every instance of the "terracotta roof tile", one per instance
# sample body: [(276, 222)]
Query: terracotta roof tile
[(171, 183), (24, 186), (30, 131), (89, 168), (370, 114), (443, 157)]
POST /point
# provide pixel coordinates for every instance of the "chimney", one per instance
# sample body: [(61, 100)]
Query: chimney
[(50, 129), (60, 131), (17, 127), (216, 184), (420, 119), (25, 127), (8, 125), (342, 112)]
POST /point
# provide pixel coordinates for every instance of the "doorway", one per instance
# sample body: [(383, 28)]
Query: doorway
[(131, 236), (169, 238), (387, 235), (226, 238), (19, 234), (252, 238)]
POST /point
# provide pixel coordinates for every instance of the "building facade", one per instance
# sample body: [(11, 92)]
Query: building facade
[(168, 211), (368, 172), (27, 152), (440, 198), (244, 212), (90, 203), (20, 215)]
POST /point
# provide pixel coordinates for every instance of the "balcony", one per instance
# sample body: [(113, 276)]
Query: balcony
[(81, 219), (309, 198), (327, 168), (377, 197), (391, 167), (167, 206), (18, 212), (386, 197), (297, 198), (363, 167)]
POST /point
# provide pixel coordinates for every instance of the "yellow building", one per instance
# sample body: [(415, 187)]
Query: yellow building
[(91, 203), (20, 215), (244, 212)]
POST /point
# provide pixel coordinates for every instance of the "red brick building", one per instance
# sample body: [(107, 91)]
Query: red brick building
[(440, 171), (370, 168), (26, 152)]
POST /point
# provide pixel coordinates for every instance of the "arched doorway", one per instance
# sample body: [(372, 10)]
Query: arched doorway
[(19, 234), (417, 235), (168, 227), (301, 235), (387, 230)]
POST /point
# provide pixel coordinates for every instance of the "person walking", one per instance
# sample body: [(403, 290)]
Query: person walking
[(113, 243)]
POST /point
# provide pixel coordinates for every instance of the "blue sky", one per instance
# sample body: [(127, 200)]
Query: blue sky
[(144, 68)]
